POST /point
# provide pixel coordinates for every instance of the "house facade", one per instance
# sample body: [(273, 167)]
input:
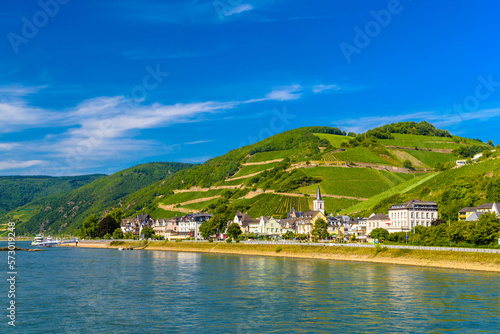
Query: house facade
[(272, 228), (378, 220), (473, 213), (136, 224)]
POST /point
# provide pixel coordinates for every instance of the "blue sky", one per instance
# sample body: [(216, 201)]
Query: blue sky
[(98, 86)]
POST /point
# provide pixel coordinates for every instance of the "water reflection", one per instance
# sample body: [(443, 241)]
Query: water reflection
[(154, 291)]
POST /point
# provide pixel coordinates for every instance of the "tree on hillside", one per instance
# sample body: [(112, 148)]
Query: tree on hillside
[(118, 234), (493, 190), (107, 225), (407, 164), (485, 231), (90, 227), (148, 232), (117, 214), (233, 231), (320, 229), (379, 233), (438, 222), (216, 223), (490, 142)]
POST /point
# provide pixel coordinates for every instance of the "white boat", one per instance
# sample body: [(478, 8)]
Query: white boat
[(40, 240)]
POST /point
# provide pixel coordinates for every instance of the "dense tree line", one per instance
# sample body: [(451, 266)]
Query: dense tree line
[(423, 129), (16, 191), (69, 209), (484, 232)]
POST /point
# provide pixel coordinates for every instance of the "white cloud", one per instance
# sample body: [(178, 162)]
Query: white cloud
[(8, 146), (320, 88), (105, 129), (13, 164), (280, 94), (198, 142), (238, 9), (445, 119), (18, 90)]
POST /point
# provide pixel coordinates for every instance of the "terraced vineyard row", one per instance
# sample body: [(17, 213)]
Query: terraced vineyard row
[(354, 182), (270, 204), (287, 203)]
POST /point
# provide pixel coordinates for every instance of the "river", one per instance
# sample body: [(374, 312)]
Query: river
[(81, 290)]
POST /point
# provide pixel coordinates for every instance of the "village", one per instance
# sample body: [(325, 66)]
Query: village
[(299, 225)]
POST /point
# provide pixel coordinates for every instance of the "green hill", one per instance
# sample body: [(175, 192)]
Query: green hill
[(16, 191), (356, 175), (67, 210)]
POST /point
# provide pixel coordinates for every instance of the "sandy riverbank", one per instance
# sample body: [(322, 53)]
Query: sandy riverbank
[(425, 258)]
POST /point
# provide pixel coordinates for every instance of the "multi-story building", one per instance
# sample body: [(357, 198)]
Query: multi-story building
[(378, 220), (415, 212), (136, 224), (359, 228), (167, 228), (402, 217)]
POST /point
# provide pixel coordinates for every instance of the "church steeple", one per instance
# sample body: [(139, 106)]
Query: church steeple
[(318, 203), (318, 195)]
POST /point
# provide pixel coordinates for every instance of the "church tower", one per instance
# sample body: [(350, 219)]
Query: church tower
[(319, 204)]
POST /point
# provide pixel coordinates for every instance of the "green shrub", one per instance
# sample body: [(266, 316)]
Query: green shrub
[(278, 249), (229, 240), (178, 240), (402, 252), (379, 249), (116, 243)]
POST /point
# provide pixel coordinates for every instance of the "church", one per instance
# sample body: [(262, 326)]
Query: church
[(318, 203)]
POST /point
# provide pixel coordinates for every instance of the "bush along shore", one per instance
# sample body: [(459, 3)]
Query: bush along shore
[(377, 254)]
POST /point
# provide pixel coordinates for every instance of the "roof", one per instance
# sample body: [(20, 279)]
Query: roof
[(468, 209), (318, 194), (475, 216), (485, 206), (409, 204), (379, 216), (245, 218), (310, 213)]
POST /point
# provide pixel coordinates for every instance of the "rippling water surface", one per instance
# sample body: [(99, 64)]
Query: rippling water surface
[(77, 290)]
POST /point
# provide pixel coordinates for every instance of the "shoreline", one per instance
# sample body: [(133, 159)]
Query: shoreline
[(486, 262)]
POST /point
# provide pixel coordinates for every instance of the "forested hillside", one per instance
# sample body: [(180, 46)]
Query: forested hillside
[(68, 210), (356, 174), (16, 191)]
